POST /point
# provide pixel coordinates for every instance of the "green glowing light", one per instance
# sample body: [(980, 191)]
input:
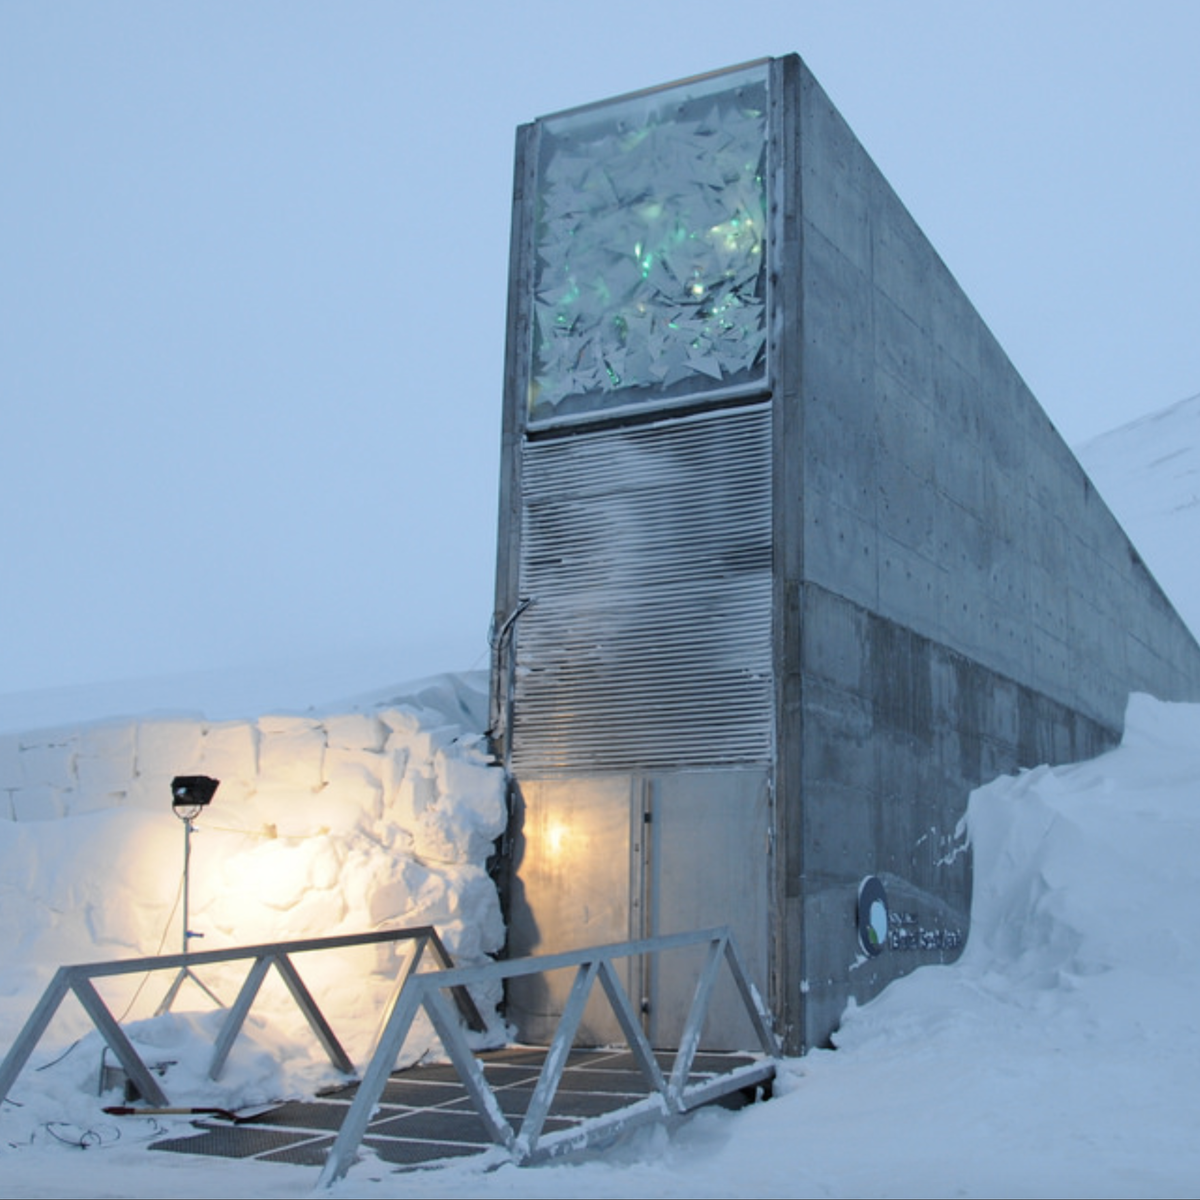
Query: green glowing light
[(660, 213)]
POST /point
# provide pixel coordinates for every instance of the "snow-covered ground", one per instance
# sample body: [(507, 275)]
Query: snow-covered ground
[(1058, 1057)]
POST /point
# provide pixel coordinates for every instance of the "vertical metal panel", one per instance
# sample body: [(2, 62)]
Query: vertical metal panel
[(516, 369), (577, 865), (788, 357), (646, 552), (710, 863)]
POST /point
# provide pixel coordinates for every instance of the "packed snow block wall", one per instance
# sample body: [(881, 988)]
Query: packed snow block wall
[(328, 824), (966, 604)]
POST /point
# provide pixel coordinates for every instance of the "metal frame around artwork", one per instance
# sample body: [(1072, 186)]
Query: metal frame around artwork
[(667, 1098), (78, 979)]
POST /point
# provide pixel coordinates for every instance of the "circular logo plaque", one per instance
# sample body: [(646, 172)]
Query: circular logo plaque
[(872, 916)]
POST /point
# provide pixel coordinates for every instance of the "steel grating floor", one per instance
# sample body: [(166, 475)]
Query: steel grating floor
[(425, 1115)]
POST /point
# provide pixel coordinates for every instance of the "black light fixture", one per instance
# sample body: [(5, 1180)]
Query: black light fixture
[(190, 794)]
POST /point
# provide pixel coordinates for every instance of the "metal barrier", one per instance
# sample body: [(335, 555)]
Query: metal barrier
[(78, 979), (667, 1097)]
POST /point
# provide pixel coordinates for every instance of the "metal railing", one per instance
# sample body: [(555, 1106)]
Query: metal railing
[(667, 1096), (79, 980)]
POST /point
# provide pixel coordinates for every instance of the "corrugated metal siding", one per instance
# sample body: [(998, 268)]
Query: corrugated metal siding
[(647, 552)]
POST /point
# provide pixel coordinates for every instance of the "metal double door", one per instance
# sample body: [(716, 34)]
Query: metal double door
[(616, 857)]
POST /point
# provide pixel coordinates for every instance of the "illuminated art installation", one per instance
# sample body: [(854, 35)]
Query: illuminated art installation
[(651, 264)]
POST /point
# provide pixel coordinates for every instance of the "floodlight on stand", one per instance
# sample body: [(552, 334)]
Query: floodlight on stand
[(190, 794)]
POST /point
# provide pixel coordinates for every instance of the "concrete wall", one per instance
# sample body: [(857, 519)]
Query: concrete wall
[(968, 604), (947, 500)]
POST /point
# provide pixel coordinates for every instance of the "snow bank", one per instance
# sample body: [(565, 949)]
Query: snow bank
[(1085, 883), (1090, 869), (1057, 1057), (323, 824)]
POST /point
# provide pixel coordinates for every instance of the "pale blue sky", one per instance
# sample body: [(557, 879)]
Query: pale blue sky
[(253, 262)]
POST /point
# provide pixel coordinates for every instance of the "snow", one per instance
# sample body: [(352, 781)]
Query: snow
[(1149, 473), (1057, 1057)]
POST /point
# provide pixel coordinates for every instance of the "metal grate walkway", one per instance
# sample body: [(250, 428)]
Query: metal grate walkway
[(425, 1115)]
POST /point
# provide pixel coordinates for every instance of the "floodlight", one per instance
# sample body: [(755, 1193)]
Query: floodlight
[(191, 793)]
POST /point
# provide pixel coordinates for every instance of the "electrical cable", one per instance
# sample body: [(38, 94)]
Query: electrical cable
[(87, 1139), (55, 1061), (162, 941)]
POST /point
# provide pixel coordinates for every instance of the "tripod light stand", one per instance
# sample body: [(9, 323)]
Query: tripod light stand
[(189, 795)]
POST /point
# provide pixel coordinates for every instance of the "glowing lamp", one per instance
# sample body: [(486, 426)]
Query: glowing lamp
[(191, 793)]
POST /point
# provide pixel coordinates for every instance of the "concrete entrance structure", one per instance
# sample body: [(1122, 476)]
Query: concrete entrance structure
[(790, 558)]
